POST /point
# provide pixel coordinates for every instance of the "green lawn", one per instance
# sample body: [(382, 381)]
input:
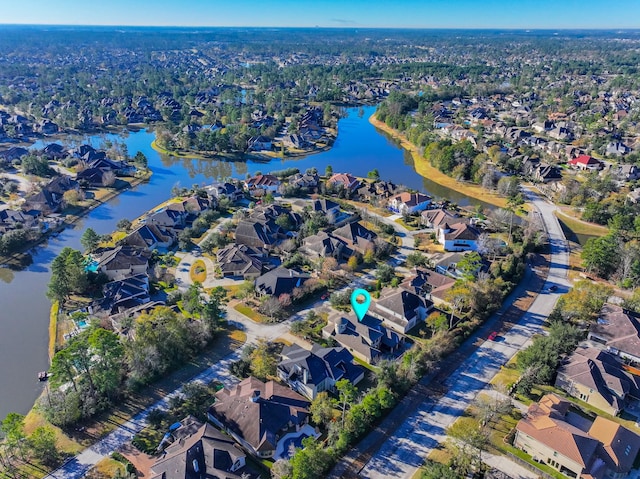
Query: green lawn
[(251, 313)]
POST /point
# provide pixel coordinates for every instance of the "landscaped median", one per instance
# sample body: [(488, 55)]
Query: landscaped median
[(198, 272)]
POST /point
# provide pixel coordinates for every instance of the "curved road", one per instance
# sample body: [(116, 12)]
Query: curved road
[(404, 452)]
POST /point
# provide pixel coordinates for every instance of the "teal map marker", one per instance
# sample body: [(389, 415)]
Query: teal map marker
[(360, 301)]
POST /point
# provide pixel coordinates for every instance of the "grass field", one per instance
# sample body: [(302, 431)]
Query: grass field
[(198, 271)]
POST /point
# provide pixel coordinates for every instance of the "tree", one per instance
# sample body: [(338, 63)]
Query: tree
[(583, 302), (311, 462), (385, 273), (322, 409), (417, 259), (374, 174), (124, 225), (435, 470), (42, 443), (71, 197), (601, 255), (108, 178), (347, 394), (90, 239), (352, 263), (12, 427), (263, 360), (281, 469), (469, 265), (140, 160), (271, 307), (213, 310), (328, 171)]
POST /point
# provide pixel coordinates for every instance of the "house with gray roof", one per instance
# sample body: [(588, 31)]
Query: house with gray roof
[(367, 340), (325, 245), (400, 310), (429, 284), (310, 372), (241, 261), (356, 237), (150, 236), (200, 451), (598, 378), (123, 261), (280, 281), (253, 233), (258, 414), (617, 330)]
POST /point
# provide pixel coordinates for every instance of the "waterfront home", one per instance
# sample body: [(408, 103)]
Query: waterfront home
[(317, 370), (400, 310), (367, 339), (307, 180), (409, 203), (268, 183), (168, 218), (598, 378), (618, 330), (331, 209), (551, 434), (51, 198), (54, 151), (258, 143), (150, 236), (258, 414), (241, 261), (256, 234), (123, 261), (13, 153), (122, 295), (345, 180), (225, 190), (280, 281), (434, 218), (200, 450)]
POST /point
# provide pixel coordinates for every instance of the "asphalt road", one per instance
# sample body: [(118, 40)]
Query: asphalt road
[(404, 452)]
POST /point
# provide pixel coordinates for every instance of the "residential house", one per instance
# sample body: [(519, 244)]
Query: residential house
[(150, 236), (13, 153), (325, 245), (123, 294), (307, 180), (96, 177), (447, 263), (54, 151), (400, 310), (618, 330), (258, 414), (617, 148), (634, 196), (13, 219), (458, 236), (258, 143), (367, 340), (429, 284), (168, 218), (280, 281), (241, 261), (200, 451), (263, 182), (331, 209), (626, 172), (317, 370), (356, 237), (51, 198), (434, 218), (598, 378), (586, 162), (225, 190), (408, 203), (256, 234), (553, 435), (346, 180), (47, 127), (123, 261)]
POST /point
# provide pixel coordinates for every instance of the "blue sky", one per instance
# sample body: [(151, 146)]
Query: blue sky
[(329, 13)]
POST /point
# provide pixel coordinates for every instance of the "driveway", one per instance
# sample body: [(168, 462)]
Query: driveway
[(422, 431)]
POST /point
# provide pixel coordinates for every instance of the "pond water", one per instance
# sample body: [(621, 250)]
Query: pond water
[(24, 315)]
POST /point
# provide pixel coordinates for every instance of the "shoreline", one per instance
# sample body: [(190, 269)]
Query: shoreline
[(424, 169), (71, 220)]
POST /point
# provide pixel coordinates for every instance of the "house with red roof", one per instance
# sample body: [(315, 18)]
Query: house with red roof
[(586, 162)]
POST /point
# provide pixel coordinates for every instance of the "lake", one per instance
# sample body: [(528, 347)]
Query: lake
[(24, 316)]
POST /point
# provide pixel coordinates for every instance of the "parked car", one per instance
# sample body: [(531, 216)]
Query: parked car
[(493, 336)]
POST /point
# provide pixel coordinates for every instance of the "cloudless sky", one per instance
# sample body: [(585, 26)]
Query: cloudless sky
[(329, 13)]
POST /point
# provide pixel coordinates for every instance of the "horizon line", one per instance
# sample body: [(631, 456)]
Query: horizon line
[(335, 27)]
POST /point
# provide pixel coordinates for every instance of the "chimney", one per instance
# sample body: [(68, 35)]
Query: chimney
[(255, 397)]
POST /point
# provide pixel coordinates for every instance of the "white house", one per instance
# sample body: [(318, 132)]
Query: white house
[(409, 203), (458, 237)]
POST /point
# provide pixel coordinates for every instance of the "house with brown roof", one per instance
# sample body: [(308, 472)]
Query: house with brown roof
[(458, 236), (257, 414), (200, 451), (399, 309), (618, 330), (429, 285), (408, 203), (241, 261), (325, 245), (346, 180), (598, 378), (368, 339), (357, 237), (123, 261), (434, 218), (553, 435), (263, 182)]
